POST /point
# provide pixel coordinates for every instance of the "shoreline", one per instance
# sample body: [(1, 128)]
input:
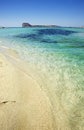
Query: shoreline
[(43, 96), (23, 105)]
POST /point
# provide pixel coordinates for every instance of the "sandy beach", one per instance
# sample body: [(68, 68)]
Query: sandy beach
[(23, 105)]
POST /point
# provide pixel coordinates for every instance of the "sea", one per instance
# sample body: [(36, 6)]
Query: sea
[(57, 54)]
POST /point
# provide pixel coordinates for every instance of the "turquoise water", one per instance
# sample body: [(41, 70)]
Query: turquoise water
[(58, 56)]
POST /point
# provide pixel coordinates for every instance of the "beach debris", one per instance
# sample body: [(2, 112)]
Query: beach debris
[(4, 102)]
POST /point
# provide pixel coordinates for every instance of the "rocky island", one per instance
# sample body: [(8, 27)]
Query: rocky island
[(26, 25), (1, 27)]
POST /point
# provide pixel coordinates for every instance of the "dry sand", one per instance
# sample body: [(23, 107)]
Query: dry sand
[(23, 105)]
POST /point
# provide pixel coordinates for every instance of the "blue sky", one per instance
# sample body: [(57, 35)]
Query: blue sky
[(59, 12)]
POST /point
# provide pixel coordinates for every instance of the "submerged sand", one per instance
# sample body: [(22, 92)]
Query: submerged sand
[(23, 105)]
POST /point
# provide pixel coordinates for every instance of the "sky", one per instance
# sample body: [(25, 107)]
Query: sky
[(59, 12)]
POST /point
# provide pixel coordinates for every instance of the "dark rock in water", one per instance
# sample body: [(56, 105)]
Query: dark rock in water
[(2, 27), (24, 25)]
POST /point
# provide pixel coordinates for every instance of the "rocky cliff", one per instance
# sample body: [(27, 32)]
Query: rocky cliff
[(26, 25)]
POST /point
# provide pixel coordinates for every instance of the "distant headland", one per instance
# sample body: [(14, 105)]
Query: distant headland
[(26, 25)]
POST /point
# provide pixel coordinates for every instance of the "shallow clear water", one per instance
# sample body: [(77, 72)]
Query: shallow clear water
[(58, 56)]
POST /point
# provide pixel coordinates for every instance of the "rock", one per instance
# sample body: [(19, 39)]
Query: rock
[(2, 27), (82, 26), (24, 25)]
